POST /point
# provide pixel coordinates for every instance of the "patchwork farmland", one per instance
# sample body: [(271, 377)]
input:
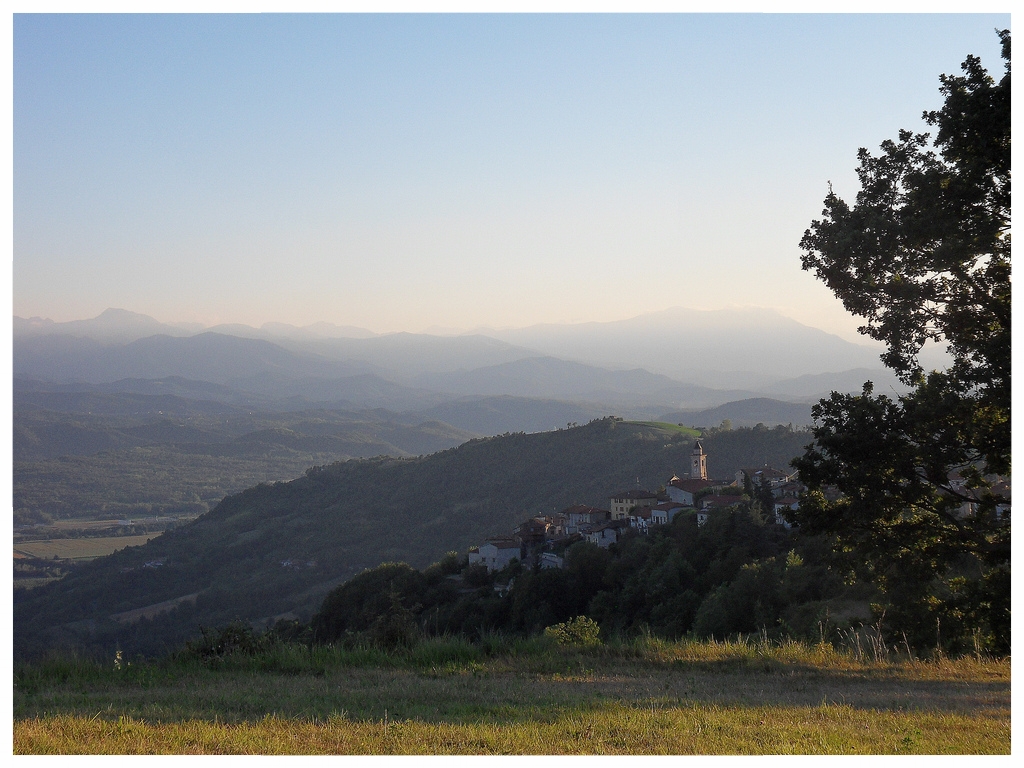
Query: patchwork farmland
[(79, 549)]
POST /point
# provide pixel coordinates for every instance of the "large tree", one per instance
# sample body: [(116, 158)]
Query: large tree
[(924, 257)]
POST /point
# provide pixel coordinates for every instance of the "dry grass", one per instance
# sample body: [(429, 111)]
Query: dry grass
[(649, 698), (73, 549), (612, 729)]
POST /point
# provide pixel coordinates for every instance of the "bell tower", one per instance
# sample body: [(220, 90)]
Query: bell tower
[(698, 462)]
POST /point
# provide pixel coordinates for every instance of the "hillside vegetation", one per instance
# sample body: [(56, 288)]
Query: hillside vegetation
[(135, 455), (274, 551)]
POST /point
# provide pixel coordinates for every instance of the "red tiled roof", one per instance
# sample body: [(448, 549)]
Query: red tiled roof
[(581, 509), (765, 472), (611, 524), (720, 501), (692, 485), (634, 495), (503, 542), (532, 524)]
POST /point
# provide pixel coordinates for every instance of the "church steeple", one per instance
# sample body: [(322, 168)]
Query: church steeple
[(698, 462)]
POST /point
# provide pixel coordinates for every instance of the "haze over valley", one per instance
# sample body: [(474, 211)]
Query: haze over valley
[(99, 403), (679, 359)]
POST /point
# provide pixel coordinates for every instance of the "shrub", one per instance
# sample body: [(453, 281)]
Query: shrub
[(215, 644), (365, 602), (476, 575), (448, 565), (395, 629), (579, 631)]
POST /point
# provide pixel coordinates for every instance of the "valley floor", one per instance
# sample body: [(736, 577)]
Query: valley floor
[(664, 699)]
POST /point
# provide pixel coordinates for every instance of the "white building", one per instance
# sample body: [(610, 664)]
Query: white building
[(664, 513), (495, 554), (604, 535), (551, 560), (683, 491)]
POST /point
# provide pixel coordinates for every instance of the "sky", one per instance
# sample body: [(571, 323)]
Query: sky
[(425, 172)]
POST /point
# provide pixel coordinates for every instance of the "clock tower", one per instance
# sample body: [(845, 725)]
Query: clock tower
[(698, 463)]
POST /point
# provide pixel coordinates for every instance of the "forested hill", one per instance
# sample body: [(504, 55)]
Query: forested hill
[(275, 549)]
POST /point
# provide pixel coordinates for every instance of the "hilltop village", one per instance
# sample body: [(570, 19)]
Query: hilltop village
[(539, 540)]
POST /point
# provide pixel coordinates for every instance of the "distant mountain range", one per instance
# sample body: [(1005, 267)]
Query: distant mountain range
[(112, 325), (677, 359), (816, 386), (737, 349), (121, 325), (550, 377)]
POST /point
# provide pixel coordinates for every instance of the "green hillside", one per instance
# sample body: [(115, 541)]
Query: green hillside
[(275, 549), (84, 466)]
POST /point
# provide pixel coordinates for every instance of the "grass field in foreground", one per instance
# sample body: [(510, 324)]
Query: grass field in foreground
[(653, 698)]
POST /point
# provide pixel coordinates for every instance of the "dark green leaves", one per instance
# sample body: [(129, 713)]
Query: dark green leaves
[(913, 487)]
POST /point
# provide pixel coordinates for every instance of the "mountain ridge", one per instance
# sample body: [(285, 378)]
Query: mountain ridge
[(676, 341), (415, 371), (707, 346)]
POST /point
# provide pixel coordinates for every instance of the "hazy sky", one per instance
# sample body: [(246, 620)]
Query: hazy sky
[(402, 172)]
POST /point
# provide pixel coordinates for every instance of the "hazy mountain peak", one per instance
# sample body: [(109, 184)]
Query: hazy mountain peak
[(735, 347), (333, 330), (32, 322), (116, 314), (111, 325)]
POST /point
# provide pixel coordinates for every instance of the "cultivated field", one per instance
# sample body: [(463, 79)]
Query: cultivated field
[(447, 697), (79, 549)]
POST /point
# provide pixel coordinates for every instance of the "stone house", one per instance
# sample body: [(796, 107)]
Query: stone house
[(664, 513), (581, 518), (550, 560), (606, 534), (623, 502), (532, 532), (496, 553), (773, 477), (683, 491), (718, 502)]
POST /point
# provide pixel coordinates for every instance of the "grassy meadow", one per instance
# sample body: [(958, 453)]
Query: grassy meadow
[(505, 696)]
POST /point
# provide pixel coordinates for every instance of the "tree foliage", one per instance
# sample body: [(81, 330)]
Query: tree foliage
[(733, 574), (924, 256), (581, 630)]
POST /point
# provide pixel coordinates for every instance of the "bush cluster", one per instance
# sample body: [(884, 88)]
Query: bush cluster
[(579, 631), (735, 574)]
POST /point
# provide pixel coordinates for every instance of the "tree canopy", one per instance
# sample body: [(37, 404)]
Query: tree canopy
[(914, 487), (924, 254)]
